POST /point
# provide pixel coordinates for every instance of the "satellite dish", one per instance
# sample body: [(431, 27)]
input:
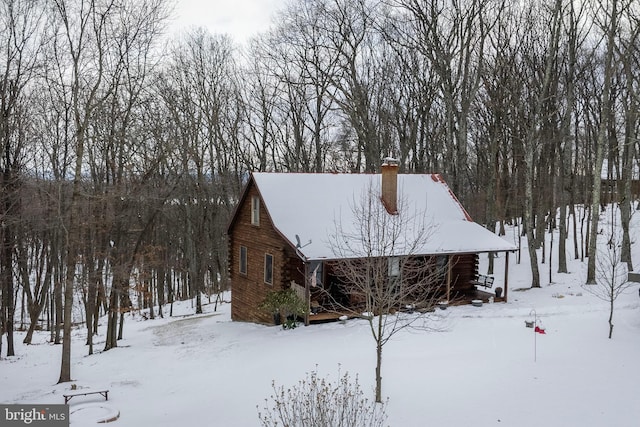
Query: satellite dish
[(299, 244)]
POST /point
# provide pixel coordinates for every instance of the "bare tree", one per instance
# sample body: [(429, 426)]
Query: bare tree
[(98, 45), (629, 54), (33, 252), (197, 91), (295, 53), (538, 71), (378, 258), (262, 122), (574, 35), (20, 45), (80, 48), (611, 274), (608, 22), (354, 75), (451, 35)]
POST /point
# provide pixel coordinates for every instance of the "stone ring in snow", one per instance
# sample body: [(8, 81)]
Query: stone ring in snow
[(86, 413)]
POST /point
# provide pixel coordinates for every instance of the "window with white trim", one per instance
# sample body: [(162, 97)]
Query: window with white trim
[(255, 210), (394, 266), (243, 260), (268, 269)]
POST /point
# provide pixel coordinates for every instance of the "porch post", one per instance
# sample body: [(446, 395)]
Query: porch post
[(448, 278), (506, 277)]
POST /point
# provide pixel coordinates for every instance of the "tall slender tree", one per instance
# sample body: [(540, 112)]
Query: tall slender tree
[(607, 18), (20, 46)]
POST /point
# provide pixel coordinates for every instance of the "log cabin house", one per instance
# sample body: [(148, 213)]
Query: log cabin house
[(612, 182), (278, 236)]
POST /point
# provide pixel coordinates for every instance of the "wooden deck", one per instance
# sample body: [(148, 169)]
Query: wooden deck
[(478, 294), (327, 316), (332, 316)]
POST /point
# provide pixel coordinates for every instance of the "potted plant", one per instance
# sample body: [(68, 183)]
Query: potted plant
[(285, 305), (443, 304)]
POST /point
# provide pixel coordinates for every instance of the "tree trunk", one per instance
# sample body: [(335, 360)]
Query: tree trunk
[(379, 372), (91, 306), (121, 326), (610, 318), (379, 343), (162, 279), (528, 220), (58, 307), (628, 162), (601, 141), (562, 240), (576, 247), (33, 316), (8, 200), (7, 283), (112, 321), (65, 365)]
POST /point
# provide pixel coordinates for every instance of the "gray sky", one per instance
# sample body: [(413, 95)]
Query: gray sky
[(239, 18)]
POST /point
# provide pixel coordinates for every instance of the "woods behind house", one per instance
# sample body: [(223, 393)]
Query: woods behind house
[(124, 148)]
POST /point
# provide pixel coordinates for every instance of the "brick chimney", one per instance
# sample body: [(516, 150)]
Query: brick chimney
[(390, 185)]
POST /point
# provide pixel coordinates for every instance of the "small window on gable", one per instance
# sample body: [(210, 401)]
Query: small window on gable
[(255, 210), (268, 269), (243, 260)]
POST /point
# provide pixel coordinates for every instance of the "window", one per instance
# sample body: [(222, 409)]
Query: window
[(255, 210), (316, 267), (442, 266), (268, 269), (243, 260), (394, 266)]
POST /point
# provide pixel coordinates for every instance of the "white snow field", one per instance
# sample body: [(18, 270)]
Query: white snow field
[(484, 369)]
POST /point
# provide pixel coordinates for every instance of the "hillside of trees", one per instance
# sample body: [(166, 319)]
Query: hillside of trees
[(123, 150)]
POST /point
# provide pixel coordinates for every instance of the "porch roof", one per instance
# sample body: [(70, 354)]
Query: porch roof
[(307, 208)]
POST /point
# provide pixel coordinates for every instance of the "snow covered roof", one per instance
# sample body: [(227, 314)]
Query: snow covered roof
[(304, 208)]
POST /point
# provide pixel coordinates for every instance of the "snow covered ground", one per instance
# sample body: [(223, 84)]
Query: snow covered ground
[(484, 369)]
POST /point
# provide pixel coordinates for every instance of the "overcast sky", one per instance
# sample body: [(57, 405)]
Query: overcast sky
[(239, 18)]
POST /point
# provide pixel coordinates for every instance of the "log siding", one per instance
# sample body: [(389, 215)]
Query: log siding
[(261, 239)]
